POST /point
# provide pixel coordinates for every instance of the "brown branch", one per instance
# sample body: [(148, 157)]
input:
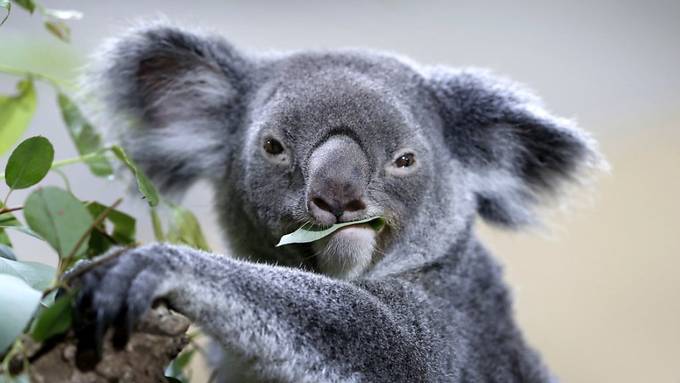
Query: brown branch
[(64, 262), (10, 209)]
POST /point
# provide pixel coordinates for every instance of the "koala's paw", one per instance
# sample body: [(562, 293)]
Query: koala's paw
[(115, 291)]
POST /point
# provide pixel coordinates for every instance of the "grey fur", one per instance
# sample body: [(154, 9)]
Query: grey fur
[(422, 301)]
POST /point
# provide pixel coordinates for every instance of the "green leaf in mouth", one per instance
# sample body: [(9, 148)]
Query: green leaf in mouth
[(307, 234)]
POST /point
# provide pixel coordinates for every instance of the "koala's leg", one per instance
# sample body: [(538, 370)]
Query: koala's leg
[(286, 324)]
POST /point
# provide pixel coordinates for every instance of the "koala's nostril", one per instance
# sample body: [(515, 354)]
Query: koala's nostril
[(335, 207), (321, 204), (355, 205)]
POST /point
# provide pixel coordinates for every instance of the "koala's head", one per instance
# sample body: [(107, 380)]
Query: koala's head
[(326, 137)]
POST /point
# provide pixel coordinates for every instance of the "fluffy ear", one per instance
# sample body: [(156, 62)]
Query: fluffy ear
[(517, 153), (173, 98)]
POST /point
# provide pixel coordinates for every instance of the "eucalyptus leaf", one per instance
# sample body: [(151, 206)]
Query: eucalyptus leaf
[(37, 275), (28, 5), (7, 6), (19, 301), (311, 234), (59, 29), (60, 218), (157, 226), (53, 320), (29, 163), (143, 184), (4, 238), (23, 229), (185, 229), (123, 224), (6, 219), (7, 252), (84, 136), (176, 369), (16, 113), (21, 378), (9, 221)]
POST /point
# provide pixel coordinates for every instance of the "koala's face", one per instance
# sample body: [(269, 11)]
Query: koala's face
[(320, 138), (329, 144)]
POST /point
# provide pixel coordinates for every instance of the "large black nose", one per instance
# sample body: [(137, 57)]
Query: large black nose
[(336, 203), (337, 181)]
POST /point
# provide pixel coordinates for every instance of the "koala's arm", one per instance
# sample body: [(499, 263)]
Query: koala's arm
[(311, 328)]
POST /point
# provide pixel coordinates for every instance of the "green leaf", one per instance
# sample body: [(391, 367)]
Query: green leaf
[(5, 4), (23, 229), (37, 275), (53, 320), (157, 226), (185, 229), (311, 234), (29, 163), (143, 184), (84, 136), (176, 369), (21, 378), (15, 114), (4, 238), (7, 252), (28, 5), (60, 218), (123, 224), (59, 29), (6, 219), (9, 221), (22, 300)]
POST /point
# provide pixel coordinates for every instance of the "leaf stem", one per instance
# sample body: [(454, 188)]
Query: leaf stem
[(74, 160), (157, 225), (71, 275), (38, 76), (10, 209)]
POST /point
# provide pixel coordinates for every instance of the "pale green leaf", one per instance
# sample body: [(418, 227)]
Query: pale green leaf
[(29, 163), (16, 113), (59, 218), (37, 275), (84, 136), (123, 224), (7, 252), (59, 29), (53, 320), (143, 184), (311, 234), (7, 6), (28, 5), (185, 229), (18, 301), (22, 229)]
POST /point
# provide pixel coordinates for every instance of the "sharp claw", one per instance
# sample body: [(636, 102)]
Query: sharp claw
[(121, 332), (87, 354)]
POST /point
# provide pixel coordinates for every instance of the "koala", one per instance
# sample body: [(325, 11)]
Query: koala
[(322, 137)]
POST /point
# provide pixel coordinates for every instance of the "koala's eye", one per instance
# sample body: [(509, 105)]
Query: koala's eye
[(405, 160), (272, 146)]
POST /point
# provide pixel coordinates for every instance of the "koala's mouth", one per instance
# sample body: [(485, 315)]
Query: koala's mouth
[(343, 250), (311, 233)]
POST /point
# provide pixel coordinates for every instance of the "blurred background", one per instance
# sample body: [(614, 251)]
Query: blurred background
[(597, 290)]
